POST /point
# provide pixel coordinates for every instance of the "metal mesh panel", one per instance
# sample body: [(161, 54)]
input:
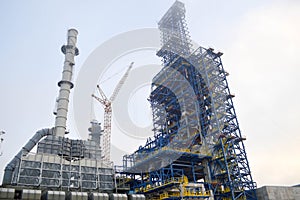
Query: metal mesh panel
[(106, 178), (29, 172), (30, 164), (89, 184), (106, 185), (29, 180), (105, 171), (89, 169), (50, 182), (71, 167), (50, 145), (51, 174), (74, 183), (47, 165), (89, 177)]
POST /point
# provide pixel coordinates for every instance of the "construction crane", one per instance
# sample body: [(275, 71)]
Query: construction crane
[(107, 105)]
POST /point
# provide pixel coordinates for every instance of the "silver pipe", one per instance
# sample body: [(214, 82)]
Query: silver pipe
[(10, 167), (70, 50)]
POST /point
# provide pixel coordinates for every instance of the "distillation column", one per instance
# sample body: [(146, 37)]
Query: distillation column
[(70, 50)]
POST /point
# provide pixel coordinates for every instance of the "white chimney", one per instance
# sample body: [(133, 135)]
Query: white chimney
[(70, 50)]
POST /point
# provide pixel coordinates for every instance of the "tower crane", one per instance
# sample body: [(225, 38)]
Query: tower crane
[(107, 105)]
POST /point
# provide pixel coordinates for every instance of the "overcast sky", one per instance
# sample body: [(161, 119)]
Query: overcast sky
[(259, 40)]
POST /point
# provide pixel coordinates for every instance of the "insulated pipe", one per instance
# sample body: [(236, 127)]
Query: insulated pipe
[(70, 50), (10, 167)]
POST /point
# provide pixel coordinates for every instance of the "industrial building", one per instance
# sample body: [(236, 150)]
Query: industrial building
[(60, 164), (196, 152)]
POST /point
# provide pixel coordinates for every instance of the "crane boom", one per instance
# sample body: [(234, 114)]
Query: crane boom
[(99, 99), (120, 84), (102, 93), (107, 104)]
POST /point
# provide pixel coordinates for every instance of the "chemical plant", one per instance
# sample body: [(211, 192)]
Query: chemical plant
[(196, 152)]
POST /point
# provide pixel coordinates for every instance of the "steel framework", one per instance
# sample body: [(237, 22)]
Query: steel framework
[(197, 150)]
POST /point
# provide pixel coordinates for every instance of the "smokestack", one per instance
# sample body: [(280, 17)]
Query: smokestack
[(70, 50)]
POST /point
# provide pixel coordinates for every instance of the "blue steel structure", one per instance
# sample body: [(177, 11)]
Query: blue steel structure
[(197, 150)]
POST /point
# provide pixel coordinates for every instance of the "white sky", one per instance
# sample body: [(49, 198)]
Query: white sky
[(259, 40)]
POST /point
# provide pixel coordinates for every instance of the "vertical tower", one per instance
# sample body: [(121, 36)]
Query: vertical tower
[(95, 132), (70, 50), (174, 34), (197, 150)]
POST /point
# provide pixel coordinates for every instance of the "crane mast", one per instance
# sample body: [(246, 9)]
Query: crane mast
[(107, 105)]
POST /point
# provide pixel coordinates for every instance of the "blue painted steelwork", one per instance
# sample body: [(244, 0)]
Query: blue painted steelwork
[(197, 140), (230, 171)]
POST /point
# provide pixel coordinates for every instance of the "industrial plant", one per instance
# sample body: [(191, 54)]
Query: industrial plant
[(196, 151)]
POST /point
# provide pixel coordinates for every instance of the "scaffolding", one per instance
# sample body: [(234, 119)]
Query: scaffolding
[(197, 150)]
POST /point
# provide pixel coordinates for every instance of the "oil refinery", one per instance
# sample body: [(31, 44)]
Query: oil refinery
[(197, 150)]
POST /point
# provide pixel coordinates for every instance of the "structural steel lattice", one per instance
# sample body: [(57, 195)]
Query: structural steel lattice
[(197, 150)]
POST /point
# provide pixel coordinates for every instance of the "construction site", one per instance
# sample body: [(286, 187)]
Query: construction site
[(197, 150)]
